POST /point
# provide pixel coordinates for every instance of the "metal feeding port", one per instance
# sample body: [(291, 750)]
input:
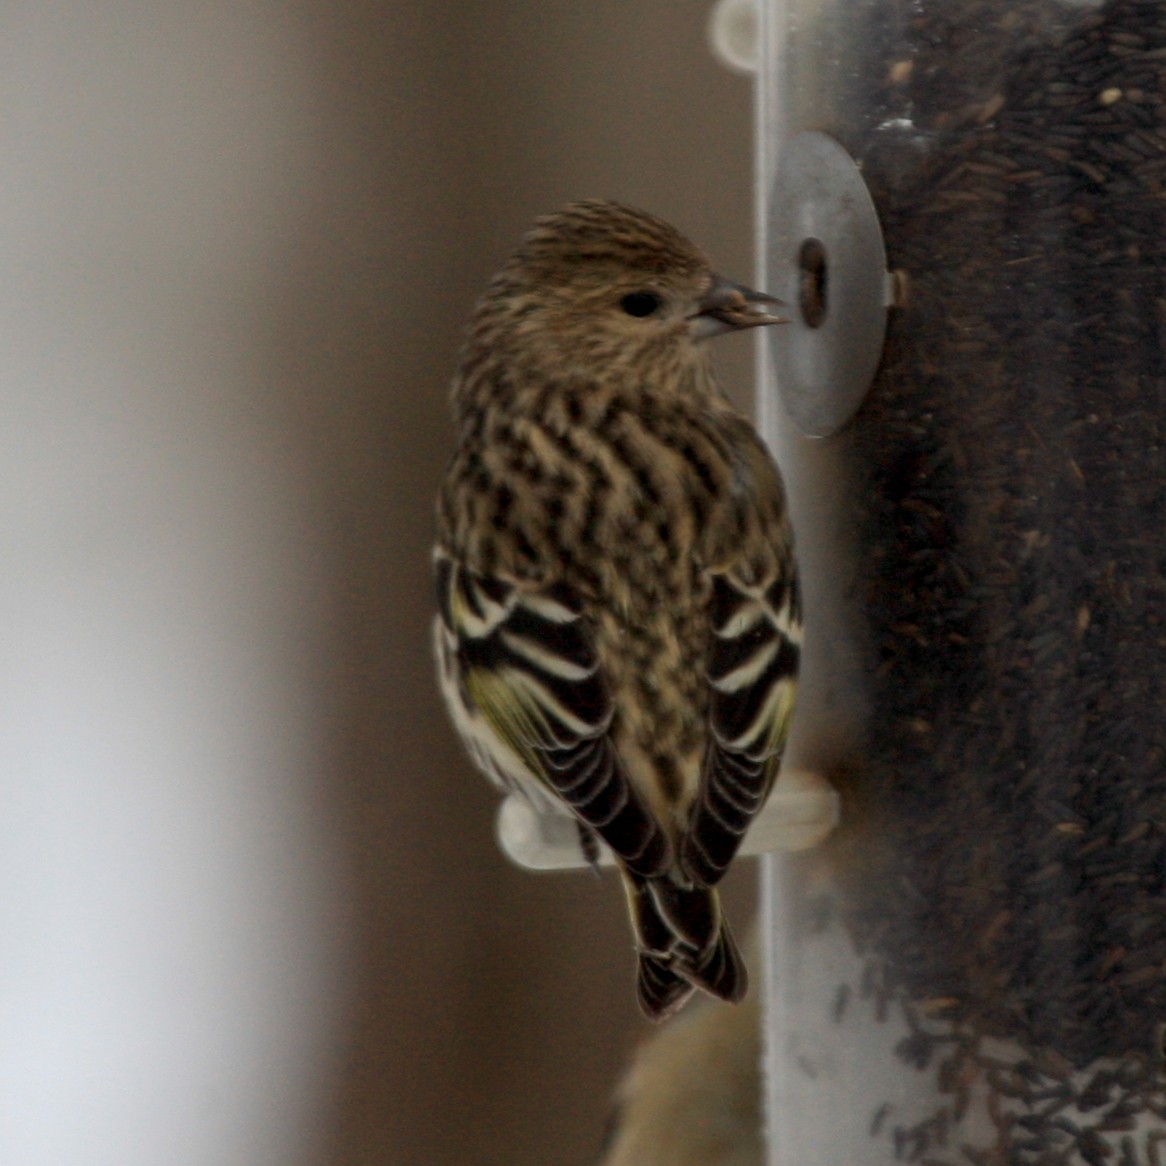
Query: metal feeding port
[(828, 264)]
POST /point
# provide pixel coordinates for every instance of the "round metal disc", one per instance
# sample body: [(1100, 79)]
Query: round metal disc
[(828, 264)]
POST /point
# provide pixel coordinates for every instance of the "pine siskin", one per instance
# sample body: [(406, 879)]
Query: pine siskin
[(619, 613)]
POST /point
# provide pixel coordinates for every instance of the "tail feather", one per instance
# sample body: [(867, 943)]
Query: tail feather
[(691, 914), (722, 972), (683, 943), (659, 990)]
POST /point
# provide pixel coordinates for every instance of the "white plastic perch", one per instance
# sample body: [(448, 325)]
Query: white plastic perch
[(801, 811)]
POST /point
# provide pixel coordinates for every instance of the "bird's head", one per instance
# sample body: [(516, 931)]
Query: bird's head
[(602, 286)]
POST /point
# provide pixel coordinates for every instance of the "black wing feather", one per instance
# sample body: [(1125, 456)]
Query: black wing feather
[(528, 678), (752, 668)]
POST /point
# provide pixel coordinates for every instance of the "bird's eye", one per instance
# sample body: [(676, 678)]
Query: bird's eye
[(641, 303)]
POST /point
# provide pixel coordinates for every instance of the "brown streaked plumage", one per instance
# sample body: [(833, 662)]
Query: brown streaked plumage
[(619, 614)]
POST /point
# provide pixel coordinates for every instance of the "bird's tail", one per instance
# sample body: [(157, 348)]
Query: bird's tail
[(683, 943)]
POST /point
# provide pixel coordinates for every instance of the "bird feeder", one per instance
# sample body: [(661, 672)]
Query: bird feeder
[(971, 969)]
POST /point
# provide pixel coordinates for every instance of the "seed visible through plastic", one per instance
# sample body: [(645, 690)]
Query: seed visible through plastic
[(812, 283)]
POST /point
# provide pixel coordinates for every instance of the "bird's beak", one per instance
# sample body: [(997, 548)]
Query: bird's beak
[(727, 306)]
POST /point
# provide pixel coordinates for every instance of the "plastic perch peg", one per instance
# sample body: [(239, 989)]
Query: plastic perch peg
[(733, 34), (801, 811)]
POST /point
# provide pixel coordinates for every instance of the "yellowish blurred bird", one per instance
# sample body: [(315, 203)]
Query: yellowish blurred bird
[(619, 617), (693, 1093)]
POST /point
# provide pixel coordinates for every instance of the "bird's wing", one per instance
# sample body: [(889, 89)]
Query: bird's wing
[(521, 670), (755, 632)]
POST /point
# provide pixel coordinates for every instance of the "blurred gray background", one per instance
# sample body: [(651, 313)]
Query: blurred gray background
[(244, 857)]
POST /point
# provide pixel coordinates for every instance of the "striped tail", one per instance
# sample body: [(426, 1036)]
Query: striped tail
[(684, 943)]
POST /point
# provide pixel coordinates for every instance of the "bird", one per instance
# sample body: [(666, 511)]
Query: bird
[(692, 1094), (619, 618)]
